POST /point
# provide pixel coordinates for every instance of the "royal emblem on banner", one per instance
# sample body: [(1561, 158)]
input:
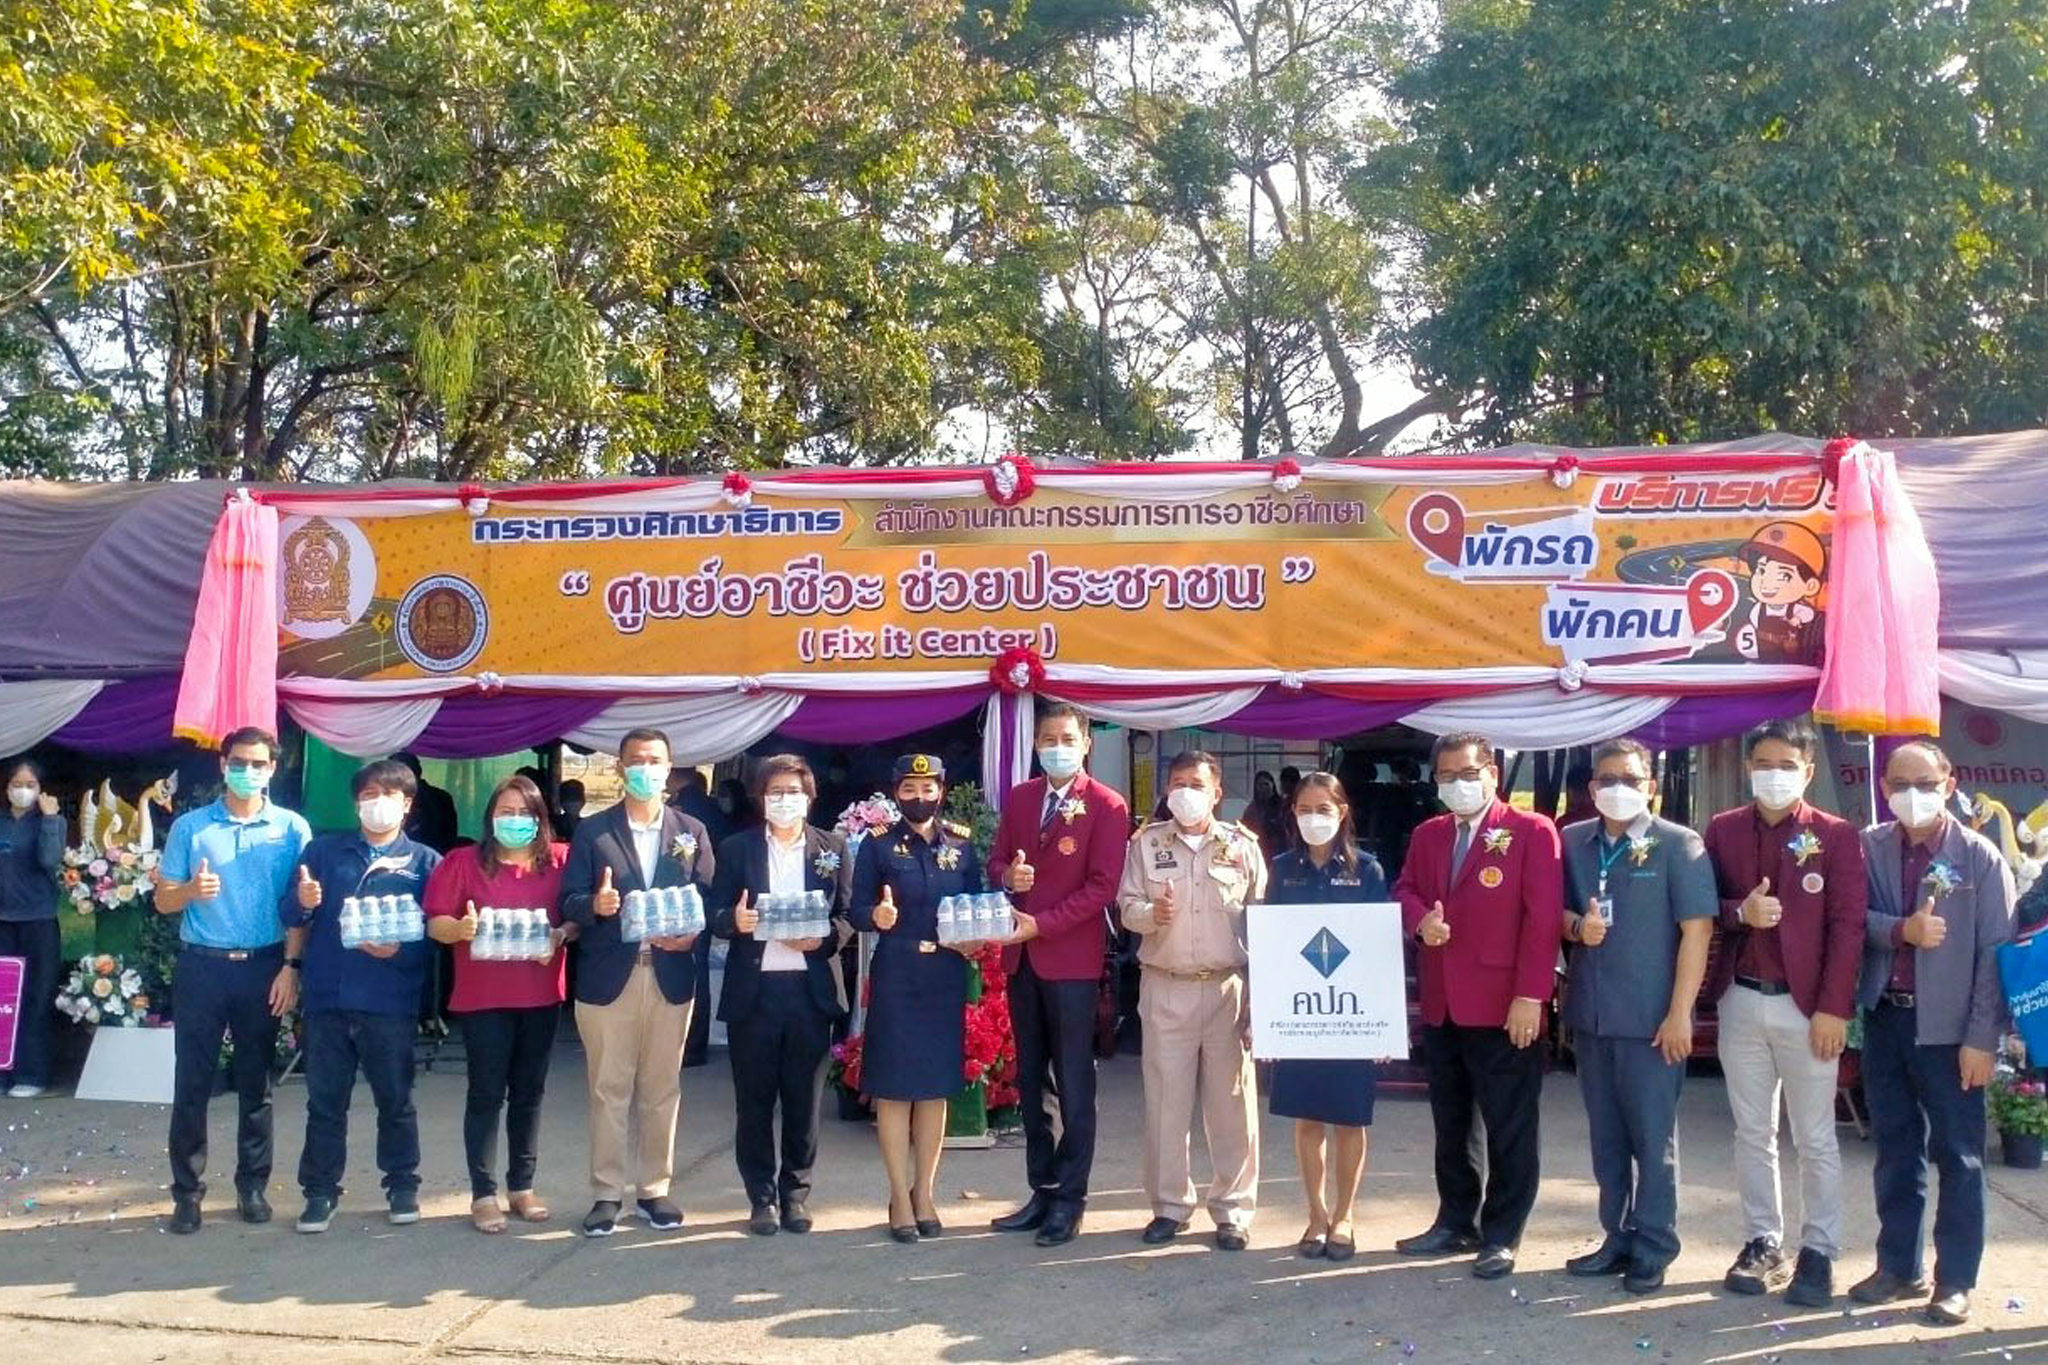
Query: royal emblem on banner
[(442, 622)]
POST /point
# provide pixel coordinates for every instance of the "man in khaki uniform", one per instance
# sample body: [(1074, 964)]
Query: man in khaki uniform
[(1186, 882)]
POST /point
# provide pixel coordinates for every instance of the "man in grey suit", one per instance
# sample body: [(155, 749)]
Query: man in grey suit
[(1941, 901), (1639, 912)]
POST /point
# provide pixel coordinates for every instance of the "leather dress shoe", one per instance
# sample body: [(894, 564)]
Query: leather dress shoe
[(1643, 1278), (1437, 1242), (763, 1222), (1030, 1218), (1881, 1286), (1059, 1228), (1949, 1307), (1609, 1259), (1231, 1237), (1494, 1263), (796, 1216), (1161, 1230), (184, 1214), (253, 1206)]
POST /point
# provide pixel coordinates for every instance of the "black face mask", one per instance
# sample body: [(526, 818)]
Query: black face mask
[(919, 811)]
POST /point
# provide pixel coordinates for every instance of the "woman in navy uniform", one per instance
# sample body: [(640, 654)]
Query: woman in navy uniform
[(1329, 1101), (915, 1044)]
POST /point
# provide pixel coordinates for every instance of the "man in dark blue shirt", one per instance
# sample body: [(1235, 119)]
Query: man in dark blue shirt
[(361, 1004)]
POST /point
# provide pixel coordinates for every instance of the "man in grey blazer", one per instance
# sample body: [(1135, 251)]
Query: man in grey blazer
[(1941, 901)]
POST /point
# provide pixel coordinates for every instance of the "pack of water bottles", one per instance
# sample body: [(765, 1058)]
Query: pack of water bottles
[(381, 919), (664, 912), (794, 917), (511, 935), (973, 919)]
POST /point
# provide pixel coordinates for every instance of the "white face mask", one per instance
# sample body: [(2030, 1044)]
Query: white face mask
[(1190, 805), (21, 798), (1620, 804), (1777, 788), (1463, 797), (1316, 829), (1917, 809), (785, 809), (381, 814), (1060, 761)]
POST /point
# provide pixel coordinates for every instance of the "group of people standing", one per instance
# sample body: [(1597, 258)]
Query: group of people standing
[(1820, 923)]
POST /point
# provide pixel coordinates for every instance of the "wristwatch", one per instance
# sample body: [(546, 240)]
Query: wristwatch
[(297, 964)]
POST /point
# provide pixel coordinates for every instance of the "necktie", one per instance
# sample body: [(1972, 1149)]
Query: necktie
[(1463, 847), (1052, 808)]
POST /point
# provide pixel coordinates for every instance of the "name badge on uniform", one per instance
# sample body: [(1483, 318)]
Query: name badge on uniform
[(1067, 846), (398, 862), (1162, 857), (925, 945), (1813, 883), (1345, 881), (1491, 877)]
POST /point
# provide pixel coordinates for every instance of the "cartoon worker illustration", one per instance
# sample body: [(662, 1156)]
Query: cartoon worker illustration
[(1787, 565)]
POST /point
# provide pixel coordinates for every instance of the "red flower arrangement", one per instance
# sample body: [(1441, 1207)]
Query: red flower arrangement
[(1564, 470), (1287, 475), (990, 1053), (1017, 669), (738, 490), (1009, 480)]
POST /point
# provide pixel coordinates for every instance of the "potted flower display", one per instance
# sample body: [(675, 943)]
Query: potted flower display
[(2019, 1109)]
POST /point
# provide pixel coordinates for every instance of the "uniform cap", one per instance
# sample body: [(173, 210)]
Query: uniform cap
[(920, 765)]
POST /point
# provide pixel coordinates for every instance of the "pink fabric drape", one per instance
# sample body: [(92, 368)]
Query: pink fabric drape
[(1882, 674), (230, 677)]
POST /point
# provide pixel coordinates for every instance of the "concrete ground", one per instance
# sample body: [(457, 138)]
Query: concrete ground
[(88, 1273)]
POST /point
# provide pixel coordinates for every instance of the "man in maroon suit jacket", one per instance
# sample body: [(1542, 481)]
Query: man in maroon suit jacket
[(1482, 890), (1059, 851)]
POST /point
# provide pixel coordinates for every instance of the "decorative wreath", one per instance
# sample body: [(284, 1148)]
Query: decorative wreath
[(738, 490), (1287, 475), (1009, 480), (1017, 669)]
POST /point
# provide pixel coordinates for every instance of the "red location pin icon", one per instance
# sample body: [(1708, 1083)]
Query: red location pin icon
[(1709, 597), (1437, 522)]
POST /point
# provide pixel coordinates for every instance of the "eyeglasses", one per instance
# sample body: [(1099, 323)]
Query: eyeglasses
[(1610, 780), (1467, 775), (248, 765)]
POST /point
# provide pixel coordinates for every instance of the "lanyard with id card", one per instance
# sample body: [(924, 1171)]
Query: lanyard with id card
[(1603, 904)]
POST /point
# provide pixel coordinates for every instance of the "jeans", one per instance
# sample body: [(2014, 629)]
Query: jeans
[(508, 1070), (215, 996), (778, 1059), (337, 1043), (36, 940), (1920, 1113)]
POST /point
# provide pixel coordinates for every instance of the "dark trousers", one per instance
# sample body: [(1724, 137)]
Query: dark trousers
[(36, 940), (1919, 1112), (1479, 1066), (338, 1042), (215, 997), (778, 1058), (1054, 1023), (1631, 1099), (508, 1054), (697, 1043)]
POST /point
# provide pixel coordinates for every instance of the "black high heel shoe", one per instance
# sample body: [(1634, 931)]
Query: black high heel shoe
[(902, 1232), (929, 1227)]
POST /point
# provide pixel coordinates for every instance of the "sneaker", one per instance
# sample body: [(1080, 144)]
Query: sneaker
[(319, 1213), (27, 1092), (603, 1219), (402, 1207), (661, 1214), (1760, 1269), (1813, 1283)]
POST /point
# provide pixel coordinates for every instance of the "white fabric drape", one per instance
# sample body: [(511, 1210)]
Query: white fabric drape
[(1170, 713), (30, 712), (702, 729), (2014, 681), (1541, 717), (358, 728)]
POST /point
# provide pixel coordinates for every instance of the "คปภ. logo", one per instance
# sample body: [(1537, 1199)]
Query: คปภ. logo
[(1325, 952), (1709, 495), (1557, 546), (442, 623)]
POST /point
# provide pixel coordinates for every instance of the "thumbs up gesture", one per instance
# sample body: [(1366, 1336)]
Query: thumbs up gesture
[(885, 910), (1019, 876), (47, 803), (205, 882), (1592, 928), (1760, 909), (1923, 928), (744, 916), (1163, 909), (309, 889), (606, 902), (1435, 930), (465, 927)]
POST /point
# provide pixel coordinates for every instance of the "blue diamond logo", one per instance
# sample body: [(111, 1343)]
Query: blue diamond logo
[(1326, 953)]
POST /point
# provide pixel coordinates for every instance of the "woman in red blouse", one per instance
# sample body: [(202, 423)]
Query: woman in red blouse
[(508, 1009)]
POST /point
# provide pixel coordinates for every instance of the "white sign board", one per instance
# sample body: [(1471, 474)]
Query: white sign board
[(135, 1064), (1327, 981)]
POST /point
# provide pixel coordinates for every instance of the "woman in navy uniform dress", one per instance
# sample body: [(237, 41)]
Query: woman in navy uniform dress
[(1329, 1101), (915, 1046)]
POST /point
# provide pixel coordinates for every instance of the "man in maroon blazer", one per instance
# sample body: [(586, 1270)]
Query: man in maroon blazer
[(1482, 890), (1059, 852), (1793, 897)]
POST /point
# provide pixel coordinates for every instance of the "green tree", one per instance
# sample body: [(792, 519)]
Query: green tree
[(1671, 220)]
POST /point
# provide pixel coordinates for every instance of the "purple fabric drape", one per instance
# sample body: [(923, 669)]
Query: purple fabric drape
[(477, 727), (124, 718), (1701, 720), (839, 719), (1281, 714)]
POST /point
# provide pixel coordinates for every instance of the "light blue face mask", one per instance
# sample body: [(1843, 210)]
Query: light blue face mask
[(247, 782), (514, 831), (644, 781), (1060, 761)]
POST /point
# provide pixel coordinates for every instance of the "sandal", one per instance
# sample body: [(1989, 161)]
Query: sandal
[(485, 1214), (528, 1207)]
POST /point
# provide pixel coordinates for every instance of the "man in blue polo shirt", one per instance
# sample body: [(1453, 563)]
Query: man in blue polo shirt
[(362, 1004), (224, 867)]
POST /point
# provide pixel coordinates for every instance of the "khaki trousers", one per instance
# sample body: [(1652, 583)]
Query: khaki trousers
[(635, 1047), (1194, 1040)]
